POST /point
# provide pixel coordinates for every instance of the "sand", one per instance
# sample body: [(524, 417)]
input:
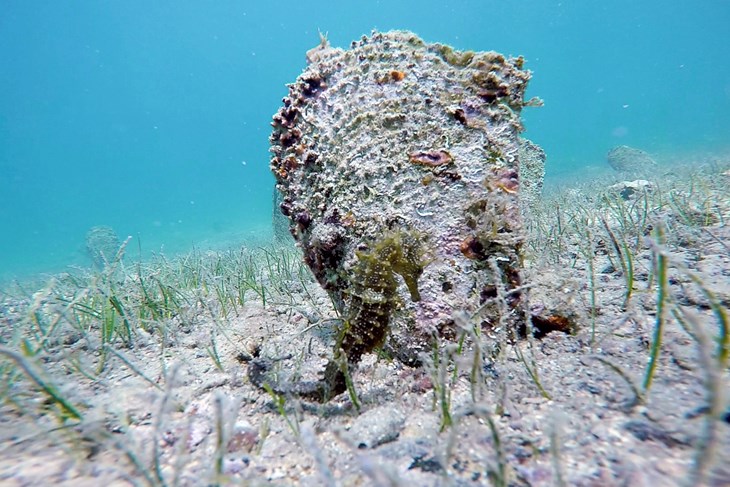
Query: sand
[(172, 404)]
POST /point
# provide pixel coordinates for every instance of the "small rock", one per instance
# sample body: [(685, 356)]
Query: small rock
[(630, 189), (243, 439), (624, 158), (377, 426)]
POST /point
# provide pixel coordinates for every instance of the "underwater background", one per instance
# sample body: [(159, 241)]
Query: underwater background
[(153, 117)]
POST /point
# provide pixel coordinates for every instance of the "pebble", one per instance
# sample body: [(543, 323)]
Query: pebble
[(377, 426)]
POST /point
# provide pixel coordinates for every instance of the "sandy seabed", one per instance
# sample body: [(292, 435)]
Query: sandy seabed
[(137, 375)]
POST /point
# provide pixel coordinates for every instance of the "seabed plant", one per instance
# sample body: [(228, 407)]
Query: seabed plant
[(83, 329)]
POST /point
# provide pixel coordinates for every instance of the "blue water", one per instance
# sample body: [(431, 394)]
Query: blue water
[(152, 117)]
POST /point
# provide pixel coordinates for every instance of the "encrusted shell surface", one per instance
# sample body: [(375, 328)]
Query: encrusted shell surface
[(393, 137)]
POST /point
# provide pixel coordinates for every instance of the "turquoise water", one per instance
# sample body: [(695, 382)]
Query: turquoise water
[(152, 117)]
